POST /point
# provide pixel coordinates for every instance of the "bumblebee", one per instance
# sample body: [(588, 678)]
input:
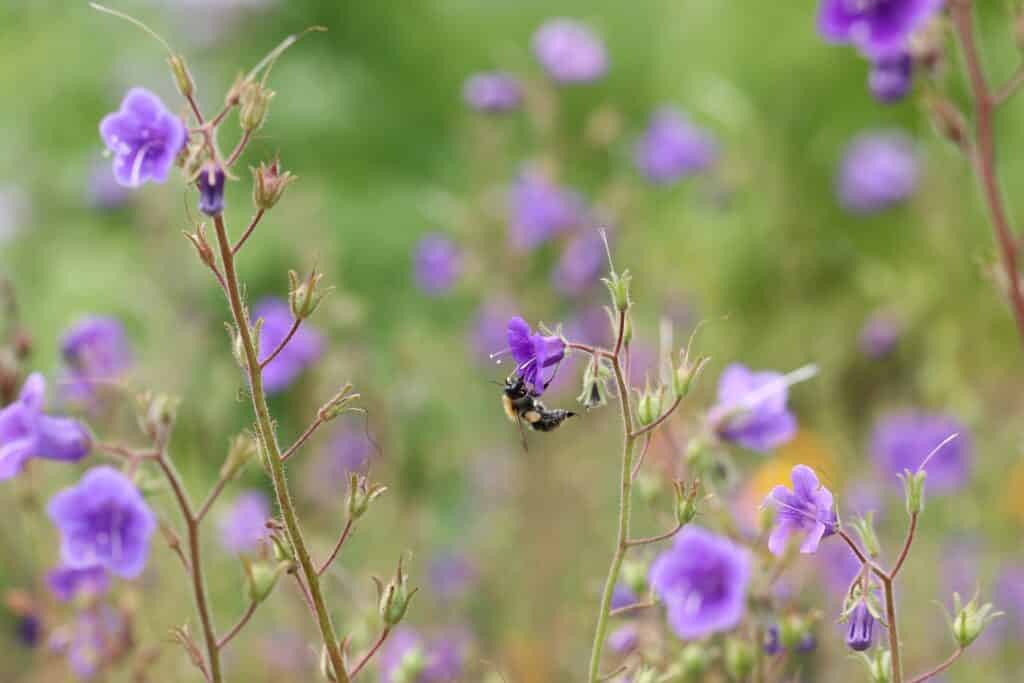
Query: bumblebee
[(522, 404)]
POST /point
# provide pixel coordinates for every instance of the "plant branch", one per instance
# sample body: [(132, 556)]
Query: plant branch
[(664, 416), (211, 498), (941, 667), (371, 652), (284, 342), (631, 608), (242, 621), (337, 547), (906, 547), (302, 439), (654, 539), (248, 231), (239, 148), (894, 635)]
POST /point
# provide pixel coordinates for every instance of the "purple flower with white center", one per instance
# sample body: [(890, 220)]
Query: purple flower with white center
[(103, 521), (877, 28), (211, 190), (880, 334), (805, 512), (890, 78), (580, 265), (95, 350), (623, 596), (902, 441), (302, 351), (570, 51), (451, 575), (438, 264), (493, 92), (66, 583), (26, 432), (144, 138), (702, 580), (673, 148), (624, 639), (860, 631), (751, 409), (244, 526), (539, 210), (534, 354), (490, 327), (879, 170)]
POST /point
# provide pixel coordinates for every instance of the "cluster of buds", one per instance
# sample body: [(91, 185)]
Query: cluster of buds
[(305, 296), (394, 598)]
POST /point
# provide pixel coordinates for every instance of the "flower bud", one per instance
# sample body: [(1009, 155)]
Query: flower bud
[(338, 404), (865, 527), (261, 577), (595, 390), (269, 184), (242, 449), (879, 666), (182, 78), (304, 296), (648, 408), (913, 490), (686, 501), (794, 631), (360, 494), (618, 287), (634, 575), (237, 91), (211, 190), (255, 103), (860, 632), (394, 597), (693, 663), (970, 620), (279, 543), (686, 374), (739, 659), (157, 413)]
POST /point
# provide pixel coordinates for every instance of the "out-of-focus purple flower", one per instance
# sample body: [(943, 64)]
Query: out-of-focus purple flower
[(837, 567), (862, 497), (451, 575), (244, 525), (890, 78), (347, 451), (103, 521), (702, 580), (879, 169), (27, 630), (570, 51), (808, 643), (27, 432), (673, 148), (539, 209), (144, 138), (304, 349), (90, 640), (772, 644), (623, 596), (493, 92), (876, 27), (103, 191), (1009, 597), (590, 326), (211, 190), (66, 583), (438, 264), (580, 265), (95, 350), (407, 658), (534, 353), (902, 441), (624, 639), (806, 512), (860, 628), (880, 334), (751, 409)]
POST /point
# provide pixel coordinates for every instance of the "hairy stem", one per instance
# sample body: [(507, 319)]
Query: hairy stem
[(269, 440)]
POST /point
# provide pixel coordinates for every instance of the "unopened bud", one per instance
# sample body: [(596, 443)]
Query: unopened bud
[(261, 577), (182, 78), (794, 631), (879, 666), (969, 621), (203, 248), (157, 413), (693, 663), (618, 287), (269, 184), (913, 490), (242, 449), (304, 296), (255, 103), (686, 373), (686, 501), (338, 404), (360, 494), (394, 598), (648, 408), (739, 659), (211, 190), (237, 90)]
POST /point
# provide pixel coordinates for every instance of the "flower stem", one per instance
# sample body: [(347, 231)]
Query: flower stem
[(269, 440), (625, 505), (940, 668), (894, 635)]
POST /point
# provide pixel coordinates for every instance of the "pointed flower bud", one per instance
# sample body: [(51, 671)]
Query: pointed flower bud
[(269, 184), (395, 597), (739, 659), (686, 501), (242, 449), (913, 490), (157, 413), (970, 620), (618, 288), (686, 373), (338, 404), (865, 527), (360, 494), (237, 91), (261, 577), (211, 189), (255, 103), (648, 408), (182, 78), (860, 632), (304, 296)]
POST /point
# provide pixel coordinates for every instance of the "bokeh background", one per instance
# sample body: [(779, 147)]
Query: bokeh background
[(511, 546)]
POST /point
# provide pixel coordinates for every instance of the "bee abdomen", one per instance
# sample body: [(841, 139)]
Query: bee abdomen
[(550, 420)]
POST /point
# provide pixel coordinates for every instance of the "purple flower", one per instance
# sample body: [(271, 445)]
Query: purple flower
[(438, 264), (876, 27), (860, 631), (26, 432), (902, 441), (624, 639), (751, 409), (103, 521), (581, 263), (144, 137), (703, 580), (890, 78), (878, 170), (540, 209), (534, 353), (493, 92), (211, 190), (244, 526), (89, 642), (880, 334), (806, 511), (570, 52), (772, 644), (66, 583), (95, 350), (673, 148), (303, 350), (407, 658), (451, 575), (347, 451), (1009, 590)]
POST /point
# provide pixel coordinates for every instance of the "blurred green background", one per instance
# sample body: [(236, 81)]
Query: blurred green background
[(371, 118)]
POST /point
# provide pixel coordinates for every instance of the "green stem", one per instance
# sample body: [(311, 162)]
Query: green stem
[(273, 452), (625, 505)]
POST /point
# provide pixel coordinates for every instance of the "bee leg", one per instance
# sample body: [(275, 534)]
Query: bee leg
[(522, 433)]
